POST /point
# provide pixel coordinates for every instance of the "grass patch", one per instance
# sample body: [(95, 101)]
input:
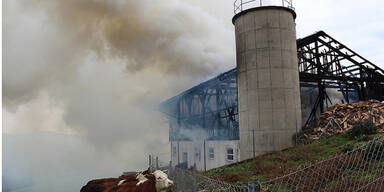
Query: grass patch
[(331, 184)]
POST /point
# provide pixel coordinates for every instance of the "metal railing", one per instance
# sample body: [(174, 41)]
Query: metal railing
[(241, 5)]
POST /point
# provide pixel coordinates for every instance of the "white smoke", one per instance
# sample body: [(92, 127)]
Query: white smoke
[(82, 80)]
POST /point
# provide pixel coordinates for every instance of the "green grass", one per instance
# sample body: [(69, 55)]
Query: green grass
[(276, 164), (331, 184)]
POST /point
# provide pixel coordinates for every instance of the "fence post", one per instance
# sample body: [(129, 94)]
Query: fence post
[(170, 168), (297, 132), (194, 178), (370, 114), (251, 187), (157, 163), (253, 143), (150, 163)]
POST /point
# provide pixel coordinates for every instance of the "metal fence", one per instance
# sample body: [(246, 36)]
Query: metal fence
[(189, 180), (241, 5), (361, 169)]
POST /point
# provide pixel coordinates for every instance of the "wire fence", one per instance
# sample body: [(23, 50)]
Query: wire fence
[(361, 169), (189, 180)]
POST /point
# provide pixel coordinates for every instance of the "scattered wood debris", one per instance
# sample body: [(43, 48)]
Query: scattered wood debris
[(341, 117)]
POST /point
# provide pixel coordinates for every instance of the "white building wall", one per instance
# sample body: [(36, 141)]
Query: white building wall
[(195, 152)]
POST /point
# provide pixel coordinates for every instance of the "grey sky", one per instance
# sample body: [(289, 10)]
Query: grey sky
[(82, 79)]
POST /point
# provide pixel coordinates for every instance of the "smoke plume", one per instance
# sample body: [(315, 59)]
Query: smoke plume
[(82, 80)]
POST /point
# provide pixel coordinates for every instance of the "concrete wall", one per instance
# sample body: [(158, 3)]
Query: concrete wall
[(268, 80), (197, 147)]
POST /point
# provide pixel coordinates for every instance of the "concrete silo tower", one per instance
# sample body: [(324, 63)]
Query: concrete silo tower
[(268, 77)]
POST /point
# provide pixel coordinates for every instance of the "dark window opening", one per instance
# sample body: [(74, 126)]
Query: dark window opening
[(211, 153), (230, 155)]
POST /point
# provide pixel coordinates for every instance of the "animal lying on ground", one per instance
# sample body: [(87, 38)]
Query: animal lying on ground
[(141, 182)]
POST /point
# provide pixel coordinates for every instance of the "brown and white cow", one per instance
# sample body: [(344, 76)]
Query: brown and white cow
[(142, 182)]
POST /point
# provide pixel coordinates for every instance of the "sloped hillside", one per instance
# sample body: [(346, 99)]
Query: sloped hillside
[(277, 164)]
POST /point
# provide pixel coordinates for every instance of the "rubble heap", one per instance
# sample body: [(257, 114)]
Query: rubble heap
[(341, 117)]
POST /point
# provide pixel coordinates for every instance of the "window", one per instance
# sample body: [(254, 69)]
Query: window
[(184, 163), (230, 156), (197, 154), (211, 153), (185, 157), (174, 151)]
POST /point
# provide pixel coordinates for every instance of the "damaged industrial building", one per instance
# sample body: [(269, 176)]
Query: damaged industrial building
[(280, 85)]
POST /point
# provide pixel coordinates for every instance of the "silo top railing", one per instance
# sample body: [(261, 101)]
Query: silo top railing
[(241, 5)]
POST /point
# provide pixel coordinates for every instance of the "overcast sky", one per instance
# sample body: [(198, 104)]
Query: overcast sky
[(82, 78)]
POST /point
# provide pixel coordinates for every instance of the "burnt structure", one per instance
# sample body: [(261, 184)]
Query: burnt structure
[(323, 63), (211, 106), (326, 62)]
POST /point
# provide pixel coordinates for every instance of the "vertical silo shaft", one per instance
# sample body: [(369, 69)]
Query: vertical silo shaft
[(268, 79)]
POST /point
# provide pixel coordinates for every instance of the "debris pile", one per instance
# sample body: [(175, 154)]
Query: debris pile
[(341, 117)]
